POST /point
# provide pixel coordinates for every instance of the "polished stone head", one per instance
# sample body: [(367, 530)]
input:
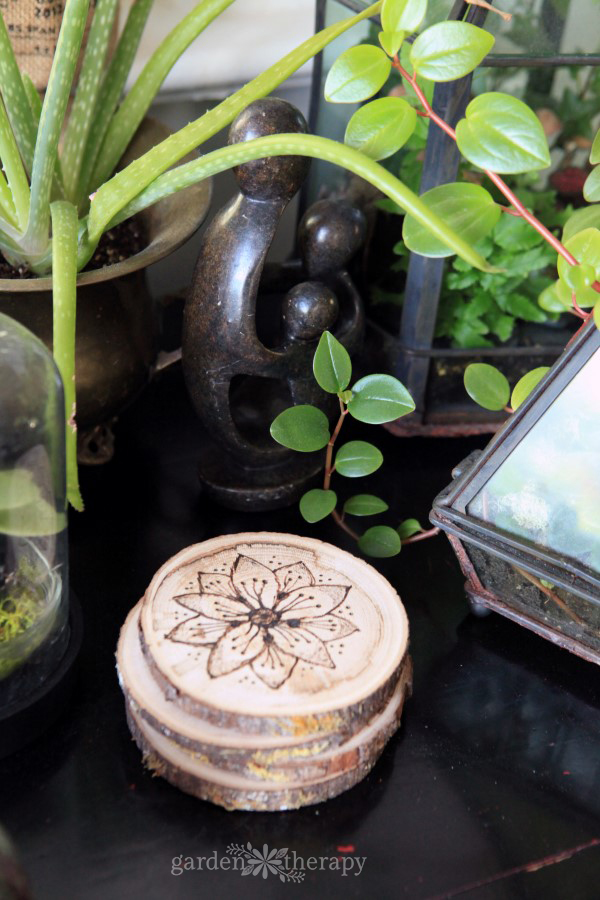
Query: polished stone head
[(276, 177), (308, 310), (330, 233)]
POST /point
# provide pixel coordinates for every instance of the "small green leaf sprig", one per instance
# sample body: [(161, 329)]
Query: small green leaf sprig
[(374, 399), (489, 387)]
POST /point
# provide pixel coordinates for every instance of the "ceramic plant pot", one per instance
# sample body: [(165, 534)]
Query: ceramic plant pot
[(116, 343)]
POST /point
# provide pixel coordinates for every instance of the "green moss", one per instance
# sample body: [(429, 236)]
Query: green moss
[(21, 605)]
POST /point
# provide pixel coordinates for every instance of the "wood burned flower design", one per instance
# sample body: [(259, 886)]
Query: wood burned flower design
[(264, 619)]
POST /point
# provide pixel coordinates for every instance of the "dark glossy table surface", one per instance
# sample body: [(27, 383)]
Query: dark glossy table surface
[(490, 790)]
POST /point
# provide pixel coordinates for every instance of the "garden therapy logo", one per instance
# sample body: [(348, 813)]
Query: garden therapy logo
[(284, 864), (265, 862)]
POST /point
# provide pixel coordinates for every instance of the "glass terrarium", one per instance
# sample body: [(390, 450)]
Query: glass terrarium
[(524, 515), (430, 317), (34, 603)]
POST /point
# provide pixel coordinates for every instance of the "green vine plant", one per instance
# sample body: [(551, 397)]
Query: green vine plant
[(490, 388), (374, 399)]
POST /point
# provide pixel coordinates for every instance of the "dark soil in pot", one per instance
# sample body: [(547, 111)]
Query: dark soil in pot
[(116, 245)]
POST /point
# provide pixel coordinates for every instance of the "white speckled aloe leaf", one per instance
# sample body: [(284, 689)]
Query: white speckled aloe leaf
[(15, 98), (300, 145), (127, 184), (111, 90), (64, 298), (88, 88), (52, 117), (135, 105)]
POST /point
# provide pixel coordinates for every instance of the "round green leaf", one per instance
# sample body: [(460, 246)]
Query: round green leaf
[(450, 50), (526, 384), (331, 364), (379, 398), (487, 386), (381, 127), (17, 488), (391, 41), (23, 509), (408, 528), (357, 74), (501, 133), (467, 208), (402, 15), (37, 519), (586, 217), (317, 504), (357, 458), (303, 428), (380, 541), (364, 505), (579, 278), (585, 247), (584, 298), (591, 188), (551, 299)]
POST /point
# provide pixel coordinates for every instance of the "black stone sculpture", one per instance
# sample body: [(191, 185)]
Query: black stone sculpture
[(249, 340)]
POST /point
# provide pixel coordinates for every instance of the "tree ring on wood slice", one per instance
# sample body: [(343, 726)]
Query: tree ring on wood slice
[(167, 759), (274, 634), (261, 757)]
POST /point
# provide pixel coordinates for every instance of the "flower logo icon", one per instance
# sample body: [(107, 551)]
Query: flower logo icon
[(266, 862)]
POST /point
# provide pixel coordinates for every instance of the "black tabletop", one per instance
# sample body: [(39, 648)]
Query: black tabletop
[(491, 789)]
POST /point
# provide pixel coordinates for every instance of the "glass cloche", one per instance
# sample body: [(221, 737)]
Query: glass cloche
[(34, 628)]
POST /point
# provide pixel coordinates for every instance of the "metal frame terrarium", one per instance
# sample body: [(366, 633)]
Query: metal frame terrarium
[(431, 371), (522, 515)]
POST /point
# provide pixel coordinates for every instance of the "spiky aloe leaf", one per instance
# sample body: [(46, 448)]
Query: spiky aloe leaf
[(303, 145), (13, 167), (9, 242), (125, 185), (51, 122), (111, 90), (88, 88), (135, 105), (64, 297), (35, 103), (33, 97), (7, 207), (15, 98)]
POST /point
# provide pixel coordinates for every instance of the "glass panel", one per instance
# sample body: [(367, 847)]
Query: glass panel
[(548, 489), (545, 27)]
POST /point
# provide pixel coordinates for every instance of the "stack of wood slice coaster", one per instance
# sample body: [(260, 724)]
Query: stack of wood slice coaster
[(264, 671)]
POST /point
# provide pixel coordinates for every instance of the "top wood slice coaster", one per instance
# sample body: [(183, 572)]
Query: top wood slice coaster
[(274, 634)]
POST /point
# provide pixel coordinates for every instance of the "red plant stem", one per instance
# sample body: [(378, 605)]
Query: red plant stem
[(329, 455), (576, 307), (421, 536), (519, 209), (329, 470), (344, 526)]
